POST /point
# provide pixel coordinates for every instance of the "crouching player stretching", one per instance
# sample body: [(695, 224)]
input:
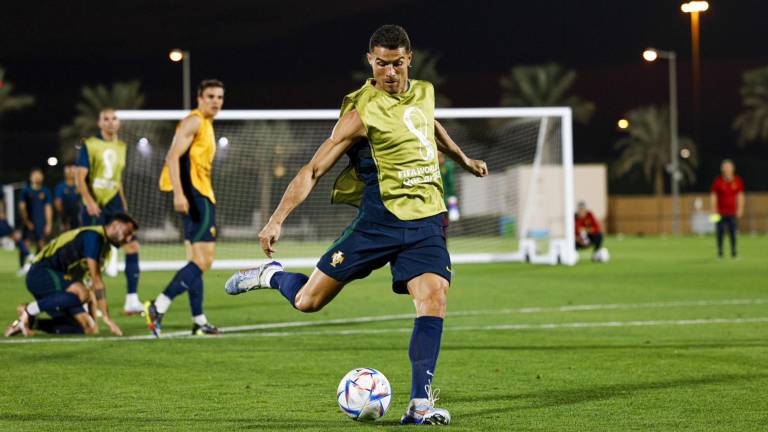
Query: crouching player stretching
[(56, 280)]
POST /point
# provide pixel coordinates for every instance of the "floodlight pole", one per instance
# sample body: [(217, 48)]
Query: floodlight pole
[(186, 80), (651, 54), (674, 150)]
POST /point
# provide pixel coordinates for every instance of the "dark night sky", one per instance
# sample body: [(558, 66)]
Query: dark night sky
[(299, 54)]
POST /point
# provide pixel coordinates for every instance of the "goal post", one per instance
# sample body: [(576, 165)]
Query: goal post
[(523, 211)]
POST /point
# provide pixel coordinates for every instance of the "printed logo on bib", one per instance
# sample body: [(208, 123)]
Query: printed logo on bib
[(417, 123), (109, 159)]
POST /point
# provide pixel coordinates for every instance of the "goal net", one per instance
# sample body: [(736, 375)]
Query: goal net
[(523, 211)]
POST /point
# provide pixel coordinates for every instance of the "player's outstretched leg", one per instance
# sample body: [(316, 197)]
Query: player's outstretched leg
[(429, 292), (305, 294)]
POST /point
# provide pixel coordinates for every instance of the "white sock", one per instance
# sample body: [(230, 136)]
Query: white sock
[(162, 303), (200, 319), (132, 298), (33, 309)]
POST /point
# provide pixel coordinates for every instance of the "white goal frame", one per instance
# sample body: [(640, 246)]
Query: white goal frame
[(560, 250)]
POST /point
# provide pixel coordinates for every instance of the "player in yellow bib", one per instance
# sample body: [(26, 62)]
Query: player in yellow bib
[(188, 175), (388, 130), (99, 177)]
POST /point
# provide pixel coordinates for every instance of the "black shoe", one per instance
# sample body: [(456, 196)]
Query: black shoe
[(205, 329)]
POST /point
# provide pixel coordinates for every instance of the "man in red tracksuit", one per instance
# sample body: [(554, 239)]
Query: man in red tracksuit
[(727, 198), (587, 228)]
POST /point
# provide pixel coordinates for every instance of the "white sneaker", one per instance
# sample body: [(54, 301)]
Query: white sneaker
[(423, 411), (251, 279), (133, 306), (25, 268)]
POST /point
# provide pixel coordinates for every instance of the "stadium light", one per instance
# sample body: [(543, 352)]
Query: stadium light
[(53, 161), (622, 123), (694, 6), (650, 55), (685, 153), (178, 55)]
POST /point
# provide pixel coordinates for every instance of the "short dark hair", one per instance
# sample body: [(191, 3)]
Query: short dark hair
[(390, 36), (38, 169), (124, 218), (204, 84)]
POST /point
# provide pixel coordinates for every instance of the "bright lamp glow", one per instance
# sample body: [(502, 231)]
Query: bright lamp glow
[(623, 123), (176, 55), (52, 161), (650, 54), (694, 6), (685, 153)]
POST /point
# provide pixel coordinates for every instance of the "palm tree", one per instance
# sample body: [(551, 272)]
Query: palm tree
[(752, 123), (122, 95), (8, 102), (544, 85), (647, 146), (423, 67)]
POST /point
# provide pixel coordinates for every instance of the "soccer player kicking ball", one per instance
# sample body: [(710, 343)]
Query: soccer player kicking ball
[(56, 280), (100, 182), (388, 130), (188, 175)]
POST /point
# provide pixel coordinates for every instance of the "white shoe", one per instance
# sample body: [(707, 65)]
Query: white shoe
[(133, 306), (423, 411), (251, 279)]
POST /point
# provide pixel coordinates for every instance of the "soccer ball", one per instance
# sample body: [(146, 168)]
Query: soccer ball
[(364, 394), (601, 255)]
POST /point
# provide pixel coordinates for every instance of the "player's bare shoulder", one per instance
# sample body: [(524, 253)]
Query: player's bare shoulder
[(189, 124), (349, 127)]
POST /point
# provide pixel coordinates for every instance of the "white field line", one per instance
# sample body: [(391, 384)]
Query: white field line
[(381, 318)]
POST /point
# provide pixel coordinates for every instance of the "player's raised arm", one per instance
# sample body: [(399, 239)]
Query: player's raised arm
[(100, 293), (347, 131), (446, 145), (183, 138)]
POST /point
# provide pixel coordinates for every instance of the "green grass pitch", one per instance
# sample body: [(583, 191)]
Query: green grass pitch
[(664, 337)]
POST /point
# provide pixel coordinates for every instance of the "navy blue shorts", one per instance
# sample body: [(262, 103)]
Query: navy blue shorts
[(71, 218), (5, 229), (115, 205), (365, 247), (35, 234), (200, 222), (43, 282)]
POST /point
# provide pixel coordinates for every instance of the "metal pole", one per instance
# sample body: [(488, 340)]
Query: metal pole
[(696, 66), (674, 151), (186, 80)]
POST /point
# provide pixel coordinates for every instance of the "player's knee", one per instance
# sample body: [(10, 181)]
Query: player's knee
[(204, 262), (433, 298), (80, 291), (309, 304)]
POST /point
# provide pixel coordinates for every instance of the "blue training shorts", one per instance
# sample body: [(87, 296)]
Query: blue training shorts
[(200, 222), (43, 282), (411, 252)]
